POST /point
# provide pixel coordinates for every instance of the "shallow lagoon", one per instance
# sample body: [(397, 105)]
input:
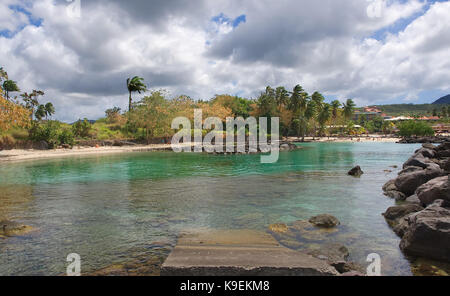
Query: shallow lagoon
[(115, 208)]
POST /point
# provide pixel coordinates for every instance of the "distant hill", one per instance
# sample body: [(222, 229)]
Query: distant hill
[(443, 100)]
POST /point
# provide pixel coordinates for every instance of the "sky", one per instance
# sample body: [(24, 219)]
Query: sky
[(81, 52)]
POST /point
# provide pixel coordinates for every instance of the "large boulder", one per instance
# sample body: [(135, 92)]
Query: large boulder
[(428, 153), (408, 183), (428, 232), (438, 188), (410, 169), (443, 153), (325, 221), (389, 186), (445, 165), (417, 160), (413, 199), (397, 212)]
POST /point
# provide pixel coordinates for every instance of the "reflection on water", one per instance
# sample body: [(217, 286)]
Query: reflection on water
[(114, 209)]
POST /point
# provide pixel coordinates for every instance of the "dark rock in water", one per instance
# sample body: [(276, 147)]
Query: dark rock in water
[(410, 169), (401, 225), (356, 171), (438, 188), (428, 233), (397, 212), (325, 221), (414, 199), (408, 183)]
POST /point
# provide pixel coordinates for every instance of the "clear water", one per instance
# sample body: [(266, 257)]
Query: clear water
[(113, 208)]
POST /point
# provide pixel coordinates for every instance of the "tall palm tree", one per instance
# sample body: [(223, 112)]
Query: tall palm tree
[(135, 84), (49, 110), (40, 112), (282, 97), (10, 86), (324, 116), (31, 100), (349, 107)]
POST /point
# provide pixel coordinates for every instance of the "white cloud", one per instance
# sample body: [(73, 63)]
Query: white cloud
[(82, 63)]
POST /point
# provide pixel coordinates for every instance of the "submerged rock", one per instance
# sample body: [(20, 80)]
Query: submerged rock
[(428, 232), (325, 221), (11, 228), (278, 228), (332, 252), (356, 171), (438, 188)]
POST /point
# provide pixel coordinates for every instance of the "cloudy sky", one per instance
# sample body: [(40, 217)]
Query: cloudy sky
[(372, 51)]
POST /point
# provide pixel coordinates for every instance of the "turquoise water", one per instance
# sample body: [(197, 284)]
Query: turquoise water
[(111, 209)]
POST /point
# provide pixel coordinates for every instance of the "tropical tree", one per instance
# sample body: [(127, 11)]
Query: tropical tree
[(40, 112), (281, 97), (323, 116), (49, 110), (135, 84), (349, 108), (31, 100), (10, 86)]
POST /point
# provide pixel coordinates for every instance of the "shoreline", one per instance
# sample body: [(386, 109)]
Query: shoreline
[(17, 155)]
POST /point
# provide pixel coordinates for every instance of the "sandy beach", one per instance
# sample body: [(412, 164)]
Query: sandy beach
[(31, 154)]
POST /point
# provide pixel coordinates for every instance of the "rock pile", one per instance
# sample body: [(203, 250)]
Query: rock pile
[(423, 219)]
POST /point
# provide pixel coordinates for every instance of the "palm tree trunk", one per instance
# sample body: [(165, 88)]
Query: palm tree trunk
[(129, 105)]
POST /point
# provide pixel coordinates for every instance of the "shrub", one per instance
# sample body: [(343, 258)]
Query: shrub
[(66, 137), (48, 132), (415, 128), (82, 128)]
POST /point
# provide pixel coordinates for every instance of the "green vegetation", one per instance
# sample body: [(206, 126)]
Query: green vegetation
[(413, 110), (415, 128)]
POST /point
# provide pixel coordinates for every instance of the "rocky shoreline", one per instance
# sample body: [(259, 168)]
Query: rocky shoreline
[(422, 190)]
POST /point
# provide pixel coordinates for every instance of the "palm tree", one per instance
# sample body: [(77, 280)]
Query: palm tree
[(349, 107), (31, 100), (282, 97), (10, 86), (40, 112), (135, 84), (49, 110), (324, 116), (335, 105)]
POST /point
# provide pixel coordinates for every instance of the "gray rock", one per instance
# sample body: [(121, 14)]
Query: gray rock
[(428, 153), (333, 253), (414, 199), (438, 188), (325, 221), (389, 186), (397, 212), (410, 169), (408, 183), (429, 146), (428, 233), (417, 160), (443, 153), (397, 195)]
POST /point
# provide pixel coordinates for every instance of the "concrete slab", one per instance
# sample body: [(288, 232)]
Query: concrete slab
[(239, 253)]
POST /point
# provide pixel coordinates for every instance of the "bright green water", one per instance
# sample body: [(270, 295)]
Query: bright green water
[(110, 209)]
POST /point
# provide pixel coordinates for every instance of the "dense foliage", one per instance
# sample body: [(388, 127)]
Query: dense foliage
[(415, 128)]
